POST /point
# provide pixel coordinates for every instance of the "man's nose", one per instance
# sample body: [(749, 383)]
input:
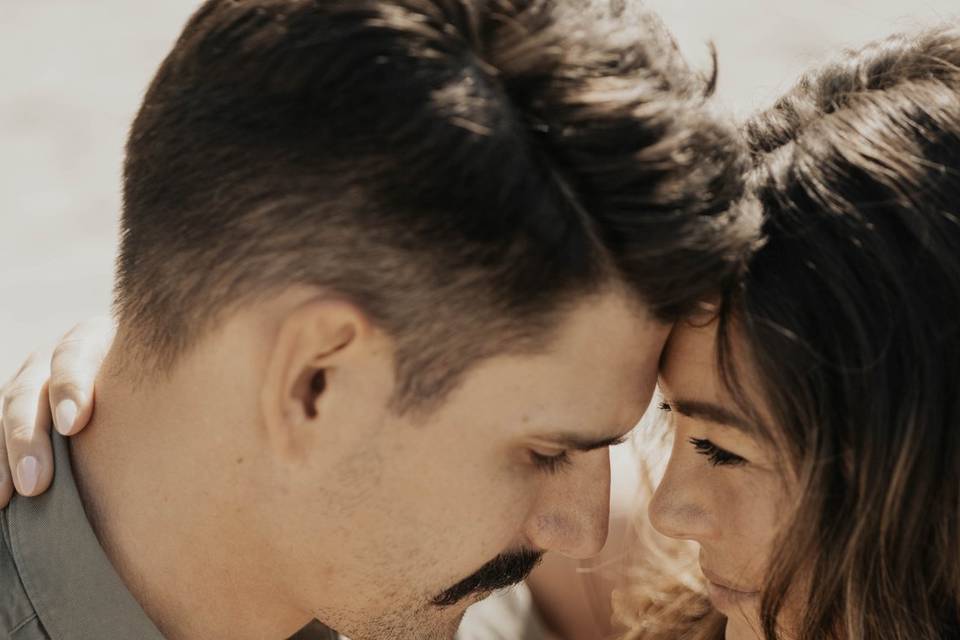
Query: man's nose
[(678, 507), (572, 516)]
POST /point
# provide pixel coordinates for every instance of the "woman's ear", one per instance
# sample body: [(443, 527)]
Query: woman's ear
[(308, 350)]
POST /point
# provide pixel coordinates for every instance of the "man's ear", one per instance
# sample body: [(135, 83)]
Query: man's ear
[(311, 346)]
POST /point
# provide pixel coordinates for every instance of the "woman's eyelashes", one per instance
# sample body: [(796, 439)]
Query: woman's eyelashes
[(717, 456)]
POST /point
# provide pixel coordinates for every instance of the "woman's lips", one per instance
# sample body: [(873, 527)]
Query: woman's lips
[(723, 595)]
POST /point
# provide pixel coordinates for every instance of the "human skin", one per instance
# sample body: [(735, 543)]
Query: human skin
[(723, 487), (293, 505)]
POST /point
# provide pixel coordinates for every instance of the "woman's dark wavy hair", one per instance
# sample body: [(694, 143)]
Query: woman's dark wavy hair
[(850, 313), (851, 317)]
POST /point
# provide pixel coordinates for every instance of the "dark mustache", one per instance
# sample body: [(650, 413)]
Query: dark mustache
[(503, 571)]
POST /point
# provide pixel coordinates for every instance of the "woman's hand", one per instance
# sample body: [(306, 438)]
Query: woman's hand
[(52, 387)]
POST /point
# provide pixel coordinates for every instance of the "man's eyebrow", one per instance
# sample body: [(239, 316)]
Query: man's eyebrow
[(711, 413), (576, 442)]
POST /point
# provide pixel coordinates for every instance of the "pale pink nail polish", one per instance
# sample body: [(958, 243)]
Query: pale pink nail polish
[(28, 472), (66, 415)]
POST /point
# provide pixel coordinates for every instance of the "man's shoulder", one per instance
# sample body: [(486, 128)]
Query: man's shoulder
[(18, 619)]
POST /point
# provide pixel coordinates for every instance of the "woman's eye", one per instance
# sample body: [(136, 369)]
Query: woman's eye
[(716, 455), (550, 463)]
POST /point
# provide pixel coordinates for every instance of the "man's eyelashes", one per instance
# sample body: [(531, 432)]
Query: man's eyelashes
[(550, 464)]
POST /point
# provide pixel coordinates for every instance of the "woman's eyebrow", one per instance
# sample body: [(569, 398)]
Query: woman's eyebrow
[(711, 412)]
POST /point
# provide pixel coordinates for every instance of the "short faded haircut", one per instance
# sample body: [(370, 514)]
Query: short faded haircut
[(461, 170)]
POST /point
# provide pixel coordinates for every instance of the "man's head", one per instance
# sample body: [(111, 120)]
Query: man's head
[(441, 243)]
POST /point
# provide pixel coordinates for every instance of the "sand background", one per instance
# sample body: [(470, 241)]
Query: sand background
[(73, 74)]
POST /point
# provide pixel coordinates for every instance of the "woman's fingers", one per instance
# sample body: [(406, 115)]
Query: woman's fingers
[(73, 370), (6, 478), (47, 388), (26, 427)]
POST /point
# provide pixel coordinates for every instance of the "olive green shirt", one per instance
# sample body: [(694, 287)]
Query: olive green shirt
[(56, 582)]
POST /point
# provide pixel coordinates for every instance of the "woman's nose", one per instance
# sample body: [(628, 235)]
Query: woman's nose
[(678, 508)]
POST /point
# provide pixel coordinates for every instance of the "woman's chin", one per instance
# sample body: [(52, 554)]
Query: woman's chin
[(739, 628), (730, 602)]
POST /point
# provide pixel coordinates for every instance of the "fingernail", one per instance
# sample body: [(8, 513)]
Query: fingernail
[(66, 415), (28, 470)]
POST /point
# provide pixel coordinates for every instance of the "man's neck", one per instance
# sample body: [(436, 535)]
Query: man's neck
[(158, 485)]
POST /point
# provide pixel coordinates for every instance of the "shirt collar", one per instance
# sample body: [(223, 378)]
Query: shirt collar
[(71, 583)]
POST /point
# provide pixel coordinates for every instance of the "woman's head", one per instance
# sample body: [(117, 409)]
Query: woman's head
[(841, 357)]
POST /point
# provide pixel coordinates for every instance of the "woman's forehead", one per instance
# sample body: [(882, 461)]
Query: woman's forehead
[(691, 376), (690, 353)]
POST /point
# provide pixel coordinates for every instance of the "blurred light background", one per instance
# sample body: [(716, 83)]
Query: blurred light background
[(73, 74)]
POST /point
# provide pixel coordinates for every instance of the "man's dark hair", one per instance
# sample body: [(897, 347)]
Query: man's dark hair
[(461, 170)]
